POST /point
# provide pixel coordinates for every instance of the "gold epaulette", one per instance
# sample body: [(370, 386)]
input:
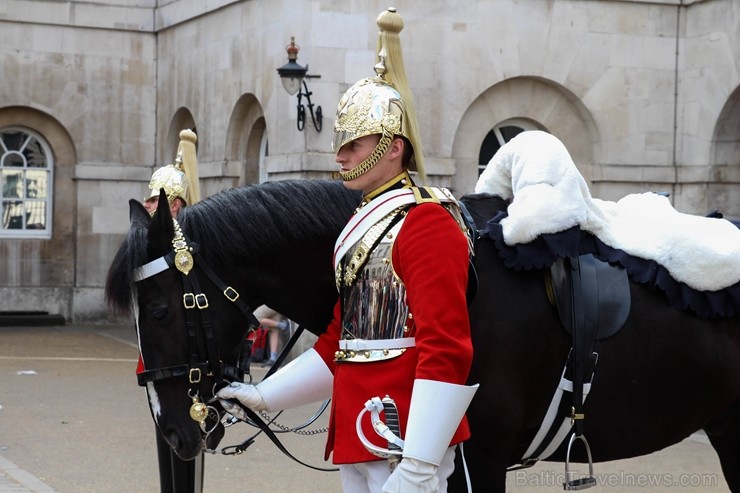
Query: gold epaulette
[(449, 202), (424, 195)]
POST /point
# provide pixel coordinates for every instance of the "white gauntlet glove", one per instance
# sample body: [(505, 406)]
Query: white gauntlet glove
[(412, 476), (434, 415), (304, 380), (244, 393)]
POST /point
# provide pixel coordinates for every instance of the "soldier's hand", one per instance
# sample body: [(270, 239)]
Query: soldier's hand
[(245, 393), (412, 476)]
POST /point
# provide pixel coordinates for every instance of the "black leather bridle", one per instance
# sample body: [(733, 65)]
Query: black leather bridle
[(183, 257), (204, 358)]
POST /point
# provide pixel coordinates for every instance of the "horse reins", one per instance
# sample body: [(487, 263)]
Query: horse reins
[(256, 421)]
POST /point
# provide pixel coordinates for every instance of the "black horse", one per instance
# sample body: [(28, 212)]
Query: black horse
[(665, 375)]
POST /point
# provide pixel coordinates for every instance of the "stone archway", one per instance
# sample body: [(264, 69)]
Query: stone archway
[(181, 120), (246, 143), (725, 161), (40, 274), (551, 106)]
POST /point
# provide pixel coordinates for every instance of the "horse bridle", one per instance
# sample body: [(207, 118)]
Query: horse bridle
[(183, 257)]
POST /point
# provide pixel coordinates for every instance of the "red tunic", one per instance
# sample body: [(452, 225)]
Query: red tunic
[(430, 256)]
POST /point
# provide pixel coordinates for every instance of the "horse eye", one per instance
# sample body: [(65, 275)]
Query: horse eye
[(159, 312)]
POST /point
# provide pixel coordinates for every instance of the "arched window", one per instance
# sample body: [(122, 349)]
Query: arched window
[(26, 173), (498, 136)]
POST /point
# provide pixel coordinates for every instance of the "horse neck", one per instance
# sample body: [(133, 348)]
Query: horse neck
[(289, 268), (295, 277), (299, 283)]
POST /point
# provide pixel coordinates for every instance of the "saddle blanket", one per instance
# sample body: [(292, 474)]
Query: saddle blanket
[(548, 195)]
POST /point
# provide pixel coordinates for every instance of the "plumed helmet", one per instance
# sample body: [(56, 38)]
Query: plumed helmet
[(179, 180), (371, 106), (381, 104), (172, 178)]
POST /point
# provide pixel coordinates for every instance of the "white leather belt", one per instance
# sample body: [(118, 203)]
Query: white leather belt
[(370, 345), (367, 351)]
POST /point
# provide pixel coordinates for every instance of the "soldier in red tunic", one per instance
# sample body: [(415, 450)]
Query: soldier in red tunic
[(396, 357)]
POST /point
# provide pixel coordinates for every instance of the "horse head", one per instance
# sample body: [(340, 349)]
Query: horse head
[(186, 351)]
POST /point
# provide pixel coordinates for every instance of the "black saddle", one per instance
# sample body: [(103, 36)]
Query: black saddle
[(596, 293), (593, 301)]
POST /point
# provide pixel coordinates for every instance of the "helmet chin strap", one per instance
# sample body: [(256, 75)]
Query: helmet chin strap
[(370, 161)]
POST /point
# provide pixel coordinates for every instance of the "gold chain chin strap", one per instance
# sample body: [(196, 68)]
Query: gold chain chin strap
[(370, 161)]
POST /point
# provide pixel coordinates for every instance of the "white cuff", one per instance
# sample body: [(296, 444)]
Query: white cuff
[(304, 380), (435, 414)]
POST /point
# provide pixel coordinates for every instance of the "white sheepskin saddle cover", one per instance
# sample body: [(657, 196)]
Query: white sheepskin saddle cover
[(549, 195)]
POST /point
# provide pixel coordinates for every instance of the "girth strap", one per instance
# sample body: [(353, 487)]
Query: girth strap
[(555, 426)]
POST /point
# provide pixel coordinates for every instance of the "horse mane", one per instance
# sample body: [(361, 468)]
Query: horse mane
[(254, 220), (119, 283), (242, 223)]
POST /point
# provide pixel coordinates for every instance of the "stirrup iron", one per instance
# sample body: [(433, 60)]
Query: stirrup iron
[(572, 483)]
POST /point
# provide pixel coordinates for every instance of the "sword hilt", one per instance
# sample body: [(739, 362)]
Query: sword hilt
[(394, 425)]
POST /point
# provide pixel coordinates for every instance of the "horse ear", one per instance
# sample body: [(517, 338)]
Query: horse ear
[(137, 214), (162, 229), (163, 205)]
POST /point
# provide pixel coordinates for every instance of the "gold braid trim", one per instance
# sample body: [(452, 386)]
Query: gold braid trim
[(370, 161)]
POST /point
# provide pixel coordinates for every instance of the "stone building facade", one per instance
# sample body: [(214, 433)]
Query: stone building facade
[(644, 94)]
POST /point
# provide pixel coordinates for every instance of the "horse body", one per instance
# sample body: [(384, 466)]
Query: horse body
[(662, 377), (665, 375)]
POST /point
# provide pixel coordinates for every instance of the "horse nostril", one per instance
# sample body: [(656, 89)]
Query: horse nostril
[(173, 439)]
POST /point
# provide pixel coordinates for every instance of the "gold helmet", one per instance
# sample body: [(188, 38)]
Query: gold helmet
[(381, 104), (179, 180)]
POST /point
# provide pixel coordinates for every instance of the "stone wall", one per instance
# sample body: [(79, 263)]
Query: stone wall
[(643, 93), (82, 75)]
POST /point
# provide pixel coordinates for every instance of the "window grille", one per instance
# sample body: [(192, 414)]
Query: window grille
[(26, 175)]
